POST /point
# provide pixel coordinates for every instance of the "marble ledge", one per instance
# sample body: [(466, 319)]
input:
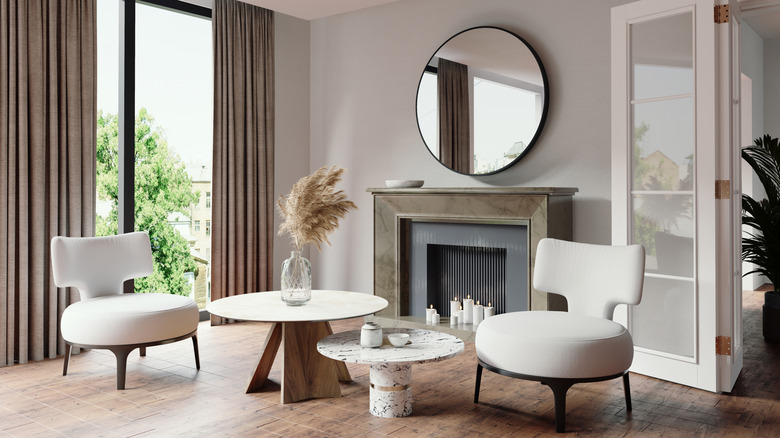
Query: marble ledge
[(549, 191)]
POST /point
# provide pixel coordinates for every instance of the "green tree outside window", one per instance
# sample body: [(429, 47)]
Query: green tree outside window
[(162, 187)]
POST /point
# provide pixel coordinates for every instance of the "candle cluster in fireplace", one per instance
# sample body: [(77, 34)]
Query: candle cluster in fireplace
[(468, 312)]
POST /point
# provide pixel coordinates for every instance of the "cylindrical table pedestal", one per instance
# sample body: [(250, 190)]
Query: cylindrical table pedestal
[(391, 390)]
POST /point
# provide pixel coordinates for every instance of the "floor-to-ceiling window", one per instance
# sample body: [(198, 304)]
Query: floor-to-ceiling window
[(171, 84)]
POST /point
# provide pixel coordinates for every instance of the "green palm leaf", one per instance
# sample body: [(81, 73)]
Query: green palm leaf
[(761, 243)]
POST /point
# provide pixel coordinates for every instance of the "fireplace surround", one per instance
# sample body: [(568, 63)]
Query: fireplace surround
[(545, 212)]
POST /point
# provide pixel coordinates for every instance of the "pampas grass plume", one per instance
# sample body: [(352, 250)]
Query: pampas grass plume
[(313, 208)]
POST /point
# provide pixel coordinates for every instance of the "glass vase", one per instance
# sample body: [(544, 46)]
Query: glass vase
[(296, 280)]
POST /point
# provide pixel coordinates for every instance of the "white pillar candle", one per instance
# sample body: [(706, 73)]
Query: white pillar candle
[(454, 319), (460, 317), (429, 315), (477, 313), (436, 319), (454, 306), (489, 310), (468, 310)]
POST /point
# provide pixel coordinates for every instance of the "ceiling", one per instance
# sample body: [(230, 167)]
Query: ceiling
[(313, 9), (763, 16)]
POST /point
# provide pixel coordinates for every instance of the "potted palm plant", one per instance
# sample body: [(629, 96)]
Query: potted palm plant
[(761, 244)]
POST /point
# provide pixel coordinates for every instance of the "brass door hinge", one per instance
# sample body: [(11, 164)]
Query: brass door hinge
[(721, 14), (723, 345), (722, 189)]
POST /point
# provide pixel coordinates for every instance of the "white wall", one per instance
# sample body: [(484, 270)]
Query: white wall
[(365, 67), (752, 66), (292, 117), (772, 87)]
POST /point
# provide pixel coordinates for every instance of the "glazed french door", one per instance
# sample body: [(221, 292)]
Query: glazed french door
[(669, 150)]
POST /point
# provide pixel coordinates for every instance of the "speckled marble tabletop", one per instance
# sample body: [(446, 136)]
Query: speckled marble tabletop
[(423, 346)]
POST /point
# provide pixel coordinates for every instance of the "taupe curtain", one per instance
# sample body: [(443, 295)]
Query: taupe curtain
[(47, 162), (243, 206), (454, 119)]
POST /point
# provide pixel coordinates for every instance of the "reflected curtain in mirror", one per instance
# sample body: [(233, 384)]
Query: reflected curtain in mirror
[(454, 119), (243, 207), (47, 163)]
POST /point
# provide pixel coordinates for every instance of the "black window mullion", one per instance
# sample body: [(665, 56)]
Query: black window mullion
[(126, 207)]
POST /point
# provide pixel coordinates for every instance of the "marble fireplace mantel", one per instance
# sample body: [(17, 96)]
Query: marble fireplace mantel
[(547, 211)]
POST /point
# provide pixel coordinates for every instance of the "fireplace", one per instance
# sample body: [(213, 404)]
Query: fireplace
[(485, 261), (533, 213)]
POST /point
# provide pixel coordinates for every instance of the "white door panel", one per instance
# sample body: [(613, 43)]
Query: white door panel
[(667, 154)]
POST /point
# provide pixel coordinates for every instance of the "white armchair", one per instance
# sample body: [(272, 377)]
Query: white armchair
[(560, 349), (106, 318)]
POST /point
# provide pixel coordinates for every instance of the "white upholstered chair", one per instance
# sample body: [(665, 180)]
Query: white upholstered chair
[(106, 318), (560, 349)]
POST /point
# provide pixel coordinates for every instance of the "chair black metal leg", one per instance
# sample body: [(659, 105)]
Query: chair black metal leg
[(67, 359), (627, 390), (142, 351), (559, 389), (197, 355), (476, 386)]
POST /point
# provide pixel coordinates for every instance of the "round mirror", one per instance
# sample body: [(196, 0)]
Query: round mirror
[(482, 101)]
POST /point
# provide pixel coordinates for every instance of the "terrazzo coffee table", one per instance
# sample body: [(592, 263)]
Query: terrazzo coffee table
[(390, 393), (305, 373)]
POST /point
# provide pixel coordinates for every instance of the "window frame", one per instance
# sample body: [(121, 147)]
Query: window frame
[(127, 110)]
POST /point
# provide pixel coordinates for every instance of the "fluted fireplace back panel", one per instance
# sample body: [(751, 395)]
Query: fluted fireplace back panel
[(486, 262)]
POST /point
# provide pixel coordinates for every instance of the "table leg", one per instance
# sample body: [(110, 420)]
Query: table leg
[(306, 373), (390, 394), (266, 358)]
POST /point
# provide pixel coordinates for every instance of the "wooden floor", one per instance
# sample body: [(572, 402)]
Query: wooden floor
[(165, 397)]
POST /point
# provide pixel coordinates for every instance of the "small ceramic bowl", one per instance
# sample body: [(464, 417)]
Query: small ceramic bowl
[(398, 339)]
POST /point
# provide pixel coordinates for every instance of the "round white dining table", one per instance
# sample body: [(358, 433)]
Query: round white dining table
[(306, 374)]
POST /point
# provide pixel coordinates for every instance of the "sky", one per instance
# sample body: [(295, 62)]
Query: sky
[(174, 74)]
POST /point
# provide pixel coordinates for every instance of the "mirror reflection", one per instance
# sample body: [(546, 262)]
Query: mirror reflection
[(482, 101)]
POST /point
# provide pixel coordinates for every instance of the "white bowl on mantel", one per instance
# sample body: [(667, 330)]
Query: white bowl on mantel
[(404, 183)]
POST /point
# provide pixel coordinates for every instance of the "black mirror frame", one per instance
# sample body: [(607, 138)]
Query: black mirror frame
[(545, 106)]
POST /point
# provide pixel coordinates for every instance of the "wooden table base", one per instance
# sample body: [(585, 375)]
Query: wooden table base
[(305, 373)]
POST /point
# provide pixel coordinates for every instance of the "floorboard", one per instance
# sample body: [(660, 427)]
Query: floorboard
[(166, 396)]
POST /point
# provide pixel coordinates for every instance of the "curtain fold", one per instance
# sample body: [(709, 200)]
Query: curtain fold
[(243, 204), (454, 116), (47, 162)]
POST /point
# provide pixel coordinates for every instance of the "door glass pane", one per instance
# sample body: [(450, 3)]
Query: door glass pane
[(662, 57), (663, 224), (664, 320), (663, 163), (664, 139)]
